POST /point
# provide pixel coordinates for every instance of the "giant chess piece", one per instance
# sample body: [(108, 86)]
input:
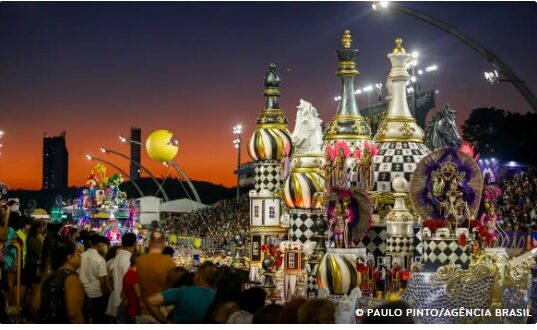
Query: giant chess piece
[(442, 130), (400, 225), (399, 137), (269, 285)]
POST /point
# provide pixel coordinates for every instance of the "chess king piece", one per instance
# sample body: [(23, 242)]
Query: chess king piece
[(370, 277)]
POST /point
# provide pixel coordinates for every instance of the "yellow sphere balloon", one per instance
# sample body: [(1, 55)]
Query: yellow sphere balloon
[(160, 147)]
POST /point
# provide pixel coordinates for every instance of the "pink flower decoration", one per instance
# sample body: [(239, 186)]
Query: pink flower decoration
[(343, 145), (357, 153), (331, 151), (287, 149)]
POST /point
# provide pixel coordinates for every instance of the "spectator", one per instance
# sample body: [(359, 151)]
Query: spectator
[(317, 311), (62, 295), (93, 274), (289, 314), (119, 267), (131, 294), (229, 288), (250, 301), (175, 276), (268, 314), (191, 302), (153, 269)]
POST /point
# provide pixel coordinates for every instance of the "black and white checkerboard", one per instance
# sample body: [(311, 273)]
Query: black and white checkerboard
[(375, 241), (444, 251), (301, 226), (418, 242), (313, 286), (398, 246), (396, 159), (267, 176)]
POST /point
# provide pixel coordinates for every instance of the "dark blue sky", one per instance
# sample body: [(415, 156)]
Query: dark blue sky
[(95, 69)]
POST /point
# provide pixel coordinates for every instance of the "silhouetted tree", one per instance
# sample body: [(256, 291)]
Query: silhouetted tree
[(502, 134)]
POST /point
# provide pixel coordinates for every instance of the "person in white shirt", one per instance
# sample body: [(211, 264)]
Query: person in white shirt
[(93, 275), (120, 265)]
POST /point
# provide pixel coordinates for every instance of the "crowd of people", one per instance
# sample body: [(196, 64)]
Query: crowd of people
[(518, 203), (220, 222), (72, 276)]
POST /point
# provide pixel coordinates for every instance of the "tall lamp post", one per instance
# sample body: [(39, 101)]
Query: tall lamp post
[(413, 63), (237, 130), (494, 60)]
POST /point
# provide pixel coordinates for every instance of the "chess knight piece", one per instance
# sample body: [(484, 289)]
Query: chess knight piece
[(370, 277)]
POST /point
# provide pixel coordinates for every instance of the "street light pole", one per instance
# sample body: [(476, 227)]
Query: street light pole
[(494, 60), (237, 130)]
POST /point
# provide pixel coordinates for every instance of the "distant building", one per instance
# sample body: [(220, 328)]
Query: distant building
[(136, 135), (246, 175), (55, 163)]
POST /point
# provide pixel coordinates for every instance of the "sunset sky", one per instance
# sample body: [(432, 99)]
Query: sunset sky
[(96, 69)]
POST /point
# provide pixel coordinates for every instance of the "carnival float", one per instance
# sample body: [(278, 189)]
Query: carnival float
[(362, 219), (104, 208)]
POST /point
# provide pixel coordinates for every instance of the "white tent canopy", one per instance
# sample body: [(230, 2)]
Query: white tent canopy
[(183, 205)]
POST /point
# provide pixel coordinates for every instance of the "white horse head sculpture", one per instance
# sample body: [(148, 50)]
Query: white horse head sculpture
[(307, 136)]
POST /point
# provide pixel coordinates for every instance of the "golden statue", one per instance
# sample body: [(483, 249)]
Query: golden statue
[(340, 166), (365, 168)]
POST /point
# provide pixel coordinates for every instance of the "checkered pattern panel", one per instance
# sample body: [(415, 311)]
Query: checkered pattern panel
[(312, 286), (399, 245), (396, 159), (375, 241), (301, 228), (441, 252), (267, 176), (418, 242)]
